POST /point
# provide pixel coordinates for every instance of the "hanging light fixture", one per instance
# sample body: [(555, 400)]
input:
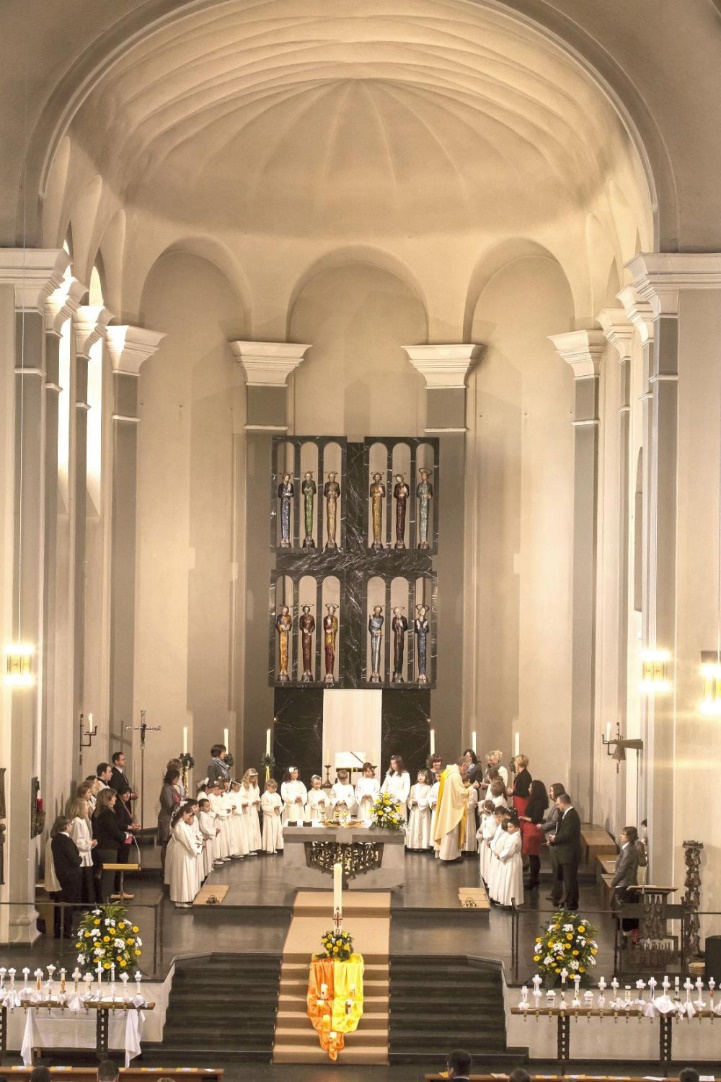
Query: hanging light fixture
[(654, 672), (20, 664)]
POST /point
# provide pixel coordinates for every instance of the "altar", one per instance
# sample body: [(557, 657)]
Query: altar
[(372, 859)]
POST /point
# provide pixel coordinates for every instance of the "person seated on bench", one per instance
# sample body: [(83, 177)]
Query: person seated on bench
[(459, 1065)]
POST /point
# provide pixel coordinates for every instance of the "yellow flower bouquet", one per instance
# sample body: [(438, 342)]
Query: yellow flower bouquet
[(568, 942), (336, 945), (106, 936)]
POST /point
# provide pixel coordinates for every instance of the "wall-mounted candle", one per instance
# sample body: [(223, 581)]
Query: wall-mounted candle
[(517, 743), (608, 731), (185, 740), (267, 741), (225, 737), (90, 723), (338, 888), (473, 742), (433, 741)]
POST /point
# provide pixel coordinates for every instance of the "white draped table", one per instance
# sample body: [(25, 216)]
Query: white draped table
[(101, 1027)]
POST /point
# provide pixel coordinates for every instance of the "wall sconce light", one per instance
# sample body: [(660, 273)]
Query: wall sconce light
[(654, 672), (711, 673), (619, 745), (19, 671)]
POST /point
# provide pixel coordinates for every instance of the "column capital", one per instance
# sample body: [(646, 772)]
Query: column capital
[(640, 313), (443, 366), (618, 330), (582, 350), (62, 303), (90, 324), (268, 364), (660, 277), (34, 273), (129, 347)]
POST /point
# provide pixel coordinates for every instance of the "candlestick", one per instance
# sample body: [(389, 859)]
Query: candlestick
[(185, 740), (138, 978), (3, 971), (267, 741), (38, 979), (99, 971), (26, 974), (602, 984), (62, 979), (433, 741), (338, 889), (564, 975), (76, 977), (652, 982)]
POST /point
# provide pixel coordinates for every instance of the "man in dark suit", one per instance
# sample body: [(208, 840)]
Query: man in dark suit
[(567, 847), (119, 779), (459, 1065), (66, 859)]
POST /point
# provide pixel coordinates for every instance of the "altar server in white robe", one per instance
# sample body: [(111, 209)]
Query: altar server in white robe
[(485, 832), (294, 795), (318, 804), (342, 794), (271, 806), (221, 808), (397, 782), (367, 791), (494, 848), (182, 859), (470, 843), (433, 805), (199, 844), (418, 835), (252, 794), (510, 875), (206, 821), (236, 821)]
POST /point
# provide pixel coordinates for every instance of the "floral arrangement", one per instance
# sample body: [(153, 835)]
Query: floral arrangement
[(268, 761), (569, 942), (386, 813), (229, 760), (186, 760), (106, 936), (336, 945)]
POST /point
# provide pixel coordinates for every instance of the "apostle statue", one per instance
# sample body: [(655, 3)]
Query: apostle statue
[(306, 623), (286, 493), (421, 628), (375, 627), (283, 626), (424, 494), (377, 495), (399, 627), (330, 632), (331, 491), (401, 492), (308, 490)]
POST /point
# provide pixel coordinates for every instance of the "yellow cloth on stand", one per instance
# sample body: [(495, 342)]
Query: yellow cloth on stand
[(340, 1009)]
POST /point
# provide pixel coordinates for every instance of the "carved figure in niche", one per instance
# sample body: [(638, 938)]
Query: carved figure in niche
[(421, 628), (283, 626), (401, 492), (375, 626), (306, 623), (308, 490), (331, 491), (424, 494), (399, 627), (330, 632), (377, 495), (286, 492)]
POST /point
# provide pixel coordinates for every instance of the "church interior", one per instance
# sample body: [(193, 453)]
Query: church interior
[(469, 247)]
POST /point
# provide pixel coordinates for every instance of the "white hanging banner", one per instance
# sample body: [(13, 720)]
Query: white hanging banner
[(351, 727)]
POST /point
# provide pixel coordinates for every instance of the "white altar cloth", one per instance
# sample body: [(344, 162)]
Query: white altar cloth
[(77, 1029)]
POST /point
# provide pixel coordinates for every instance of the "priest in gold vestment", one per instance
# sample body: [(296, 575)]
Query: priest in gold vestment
[(452, 808)]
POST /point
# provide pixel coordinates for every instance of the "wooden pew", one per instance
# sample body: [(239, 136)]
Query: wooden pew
[(127, 1074)]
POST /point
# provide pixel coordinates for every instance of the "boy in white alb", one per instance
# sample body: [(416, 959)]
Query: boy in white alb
[(271, 806), (251, 792), (206, 821), (236, 821), (343, 794), (318, 803), (220, 806), (509, 883), (367, 791), (419, 814), (294, 795)]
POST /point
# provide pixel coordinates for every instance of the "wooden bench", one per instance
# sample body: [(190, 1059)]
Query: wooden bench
[(127, 1074), (596, 844), (555, 1077)]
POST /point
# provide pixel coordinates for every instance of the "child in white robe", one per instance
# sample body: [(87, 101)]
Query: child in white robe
[(367, 791), (343, 793), (199, 843), (251, 792), (509, 886), (418, 836), (294, 795), (206, 821), (182, 859), (220, 806), (433, 805), (485, 832), (397, 782), (272, 805), (236, 823), (493, 850), (318, 804), (469, 843)]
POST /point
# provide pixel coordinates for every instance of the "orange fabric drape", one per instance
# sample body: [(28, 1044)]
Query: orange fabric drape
[(336, 1010)]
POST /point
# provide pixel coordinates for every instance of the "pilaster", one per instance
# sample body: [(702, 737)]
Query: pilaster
[(582, 351), (267, 367)]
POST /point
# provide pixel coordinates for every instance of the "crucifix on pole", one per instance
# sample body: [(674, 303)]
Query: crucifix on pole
[(143, 728)]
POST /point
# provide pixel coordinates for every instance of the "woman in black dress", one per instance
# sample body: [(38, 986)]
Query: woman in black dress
[(110, 837)]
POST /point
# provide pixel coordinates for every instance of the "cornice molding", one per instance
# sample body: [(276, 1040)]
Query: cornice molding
[(129, 347), (268, 364), (443, 366), (582, 350), (34, 273)]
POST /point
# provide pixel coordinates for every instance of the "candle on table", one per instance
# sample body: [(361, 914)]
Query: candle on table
[(62, 980), (76, 978), (338, 889), (185, 740), (38, 978), (433, 741), (99, 971), (267, 741)]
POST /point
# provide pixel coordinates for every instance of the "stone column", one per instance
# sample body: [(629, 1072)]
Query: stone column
[(266, 367), (583, 351), (444, 368), (26, 279), (129, 347)]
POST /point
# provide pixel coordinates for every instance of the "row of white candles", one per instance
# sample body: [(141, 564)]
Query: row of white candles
[(268, 735), (76, 976), (588, 996)]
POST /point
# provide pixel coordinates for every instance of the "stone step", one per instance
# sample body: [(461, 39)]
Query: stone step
[(370, 1038), (372, 1019), (297, 1002), (350, 1055)]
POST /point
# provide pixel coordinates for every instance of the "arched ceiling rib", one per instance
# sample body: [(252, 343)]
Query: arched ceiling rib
[(337, 117)]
